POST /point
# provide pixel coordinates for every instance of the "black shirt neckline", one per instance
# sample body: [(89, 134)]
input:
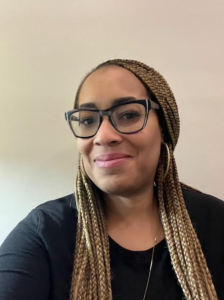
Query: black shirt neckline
[(137, 256)]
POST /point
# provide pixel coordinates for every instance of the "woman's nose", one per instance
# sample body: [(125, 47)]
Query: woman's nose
[(107, 134)]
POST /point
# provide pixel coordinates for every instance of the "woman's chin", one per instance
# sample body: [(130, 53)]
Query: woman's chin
[(116, 187)]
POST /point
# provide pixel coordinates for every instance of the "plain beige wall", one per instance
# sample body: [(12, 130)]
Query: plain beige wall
[(46, 47)]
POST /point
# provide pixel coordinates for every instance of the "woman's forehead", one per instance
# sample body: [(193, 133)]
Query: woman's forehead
[(111, 82)]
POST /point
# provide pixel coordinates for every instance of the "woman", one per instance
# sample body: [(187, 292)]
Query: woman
[(138, 233)]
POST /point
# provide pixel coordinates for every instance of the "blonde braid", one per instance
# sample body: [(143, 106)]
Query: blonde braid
[(91, 277)]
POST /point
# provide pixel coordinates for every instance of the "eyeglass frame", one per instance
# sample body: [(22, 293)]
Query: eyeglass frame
[(147, 103)]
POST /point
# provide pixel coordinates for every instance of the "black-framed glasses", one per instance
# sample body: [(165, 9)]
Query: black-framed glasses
[(128, 118)]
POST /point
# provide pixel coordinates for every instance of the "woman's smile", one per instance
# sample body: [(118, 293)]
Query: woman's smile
[(111, 160)]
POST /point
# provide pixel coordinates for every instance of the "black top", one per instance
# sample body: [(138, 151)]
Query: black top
[(36, 258)]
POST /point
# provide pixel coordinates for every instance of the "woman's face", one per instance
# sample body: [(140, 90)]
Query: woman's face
[(140, 151)]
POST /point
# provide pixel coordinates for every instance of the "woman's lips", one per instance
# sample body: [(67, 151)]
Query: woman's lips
[(111, 160)]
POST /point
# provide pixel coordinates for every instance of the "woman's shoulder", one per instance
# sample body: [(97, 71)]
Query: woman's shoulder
[(57, 216), (206, 213), (58, 208), (40, 248), (207, 216), (48, 222), (202, 203)]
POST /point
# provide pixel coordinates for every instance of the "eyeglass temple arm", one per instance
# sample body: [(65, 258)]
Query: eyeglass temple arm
[(154, 105), (73, 118)]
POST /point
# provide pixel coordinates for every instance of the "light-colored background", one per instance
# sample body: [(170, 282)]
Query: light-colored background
[(46, 47)]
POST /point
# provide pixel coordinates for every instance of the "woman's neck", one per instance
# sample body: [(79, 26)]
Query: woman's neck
[(133, 221), (139, 206)]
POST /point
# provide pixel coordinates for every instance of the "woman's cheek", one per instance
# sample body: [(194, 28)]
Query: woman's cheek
[(83, 146)]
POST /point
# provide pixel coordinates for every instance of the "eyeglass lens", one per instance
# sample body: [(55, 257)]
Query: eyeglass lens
[(126, 118)]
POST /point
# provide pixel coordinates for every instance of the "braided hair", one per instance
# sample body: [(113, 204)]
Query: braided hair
[(91, 278)]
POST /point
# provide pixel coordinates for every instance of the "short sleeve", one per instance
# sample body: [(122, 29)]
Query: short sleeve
[(24, 265)]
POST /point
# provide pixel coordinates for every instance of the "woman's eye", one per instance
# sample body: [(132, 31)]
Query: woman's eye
[(129, 115), (87, 121)]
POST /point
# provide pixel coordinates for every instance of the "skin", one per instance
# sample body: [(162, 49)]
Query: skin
[(132, 214)]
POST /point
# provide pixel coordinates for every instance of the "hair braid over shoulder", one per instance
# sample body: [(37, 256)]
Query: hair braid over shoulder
[(91, 277)]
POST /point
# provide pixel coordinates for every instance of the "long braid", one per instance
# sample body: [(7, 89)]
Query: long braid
[(90, 281), (91, 277)]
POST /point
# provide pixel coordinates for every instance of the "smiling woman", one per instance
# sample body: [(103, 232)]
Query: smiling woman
[(135, 231)]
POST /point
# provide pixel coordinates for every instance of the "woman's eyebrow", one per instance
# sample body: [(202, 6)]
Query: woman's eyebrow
[(113, 103)]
